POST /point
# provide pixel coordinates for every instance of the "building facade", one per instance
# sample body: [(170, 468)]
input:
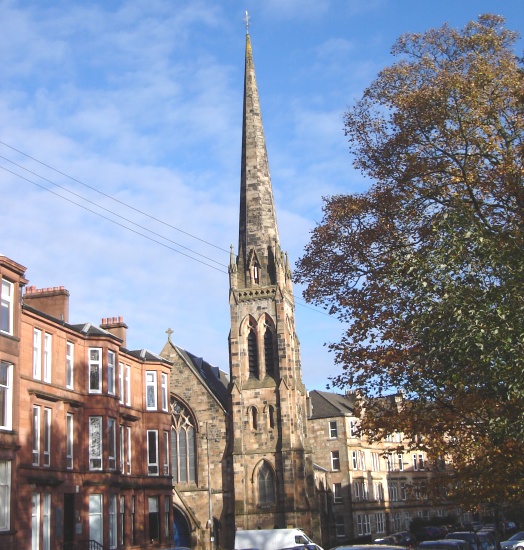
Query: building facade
[(86, 428), (373, 489)]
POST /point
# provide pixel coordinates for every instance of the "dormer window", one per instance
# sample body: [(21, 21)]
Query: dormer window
[(256, 274)]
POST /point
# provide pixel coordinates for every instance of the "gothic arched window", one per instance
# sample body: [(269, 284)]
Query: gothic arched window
[(266, 485), (271, 416), (269, 356), (252, 353), (253, 418), (183, 456)]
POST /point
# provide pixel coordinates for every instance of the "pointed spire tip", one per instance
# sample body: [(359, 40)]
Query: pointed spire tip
[(246, 21)]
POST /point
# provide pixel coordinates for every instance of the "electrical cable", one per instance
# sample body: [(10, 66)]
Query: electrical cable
[(113, 221), (113, 198), (103, 208), (298, 300)]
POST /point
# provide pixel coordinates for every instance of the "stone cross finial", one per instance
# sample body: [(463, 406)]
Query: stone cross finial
[(246, 20), (169, 332)]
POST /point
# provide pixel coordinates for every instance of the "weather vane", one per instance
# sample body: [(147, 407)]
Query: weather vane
[(246, 19)]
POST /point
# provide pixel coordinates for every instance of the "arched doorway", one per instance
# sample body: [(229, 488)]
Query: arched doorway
[(181, 530)]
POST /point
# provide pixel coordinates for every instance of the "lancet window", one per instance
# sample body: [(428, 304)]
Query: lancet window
[(253, 418), (271, 416), (252, 352), (269, 354), (183, 456), (266, 485)]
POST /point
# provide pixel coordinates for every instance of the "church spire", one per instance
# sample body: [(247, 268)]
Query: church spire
[(258, 230), (272, 467)]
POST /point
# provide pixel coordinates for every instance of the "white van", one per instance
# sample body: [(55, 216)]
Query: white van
[(273, 539)]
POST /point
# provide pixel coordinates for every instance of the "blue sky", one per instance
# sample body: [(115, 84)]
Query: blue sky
[(139, 103)]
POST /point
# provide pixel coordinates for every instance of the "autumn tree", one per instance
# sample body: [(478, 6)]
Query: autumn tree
[(427, 266)]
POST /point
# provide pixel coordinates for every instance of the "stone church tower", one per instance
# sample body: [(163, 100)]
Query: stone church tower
[(273, 480)]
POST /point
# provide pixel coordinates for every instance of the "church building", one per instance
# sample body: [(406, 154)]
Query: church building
[(252, 449), (245, 460)]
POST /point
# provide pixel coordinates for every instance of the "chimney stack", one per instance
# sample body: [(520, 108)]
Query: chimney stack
[(116, 326), (53, 301)]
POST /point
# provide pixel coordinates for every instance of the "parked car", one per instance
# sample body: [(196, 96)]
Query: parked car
[(386, 541), (406, 539), (368, 547), (402, 538), (491, 530), (428, 532), (487, 539), (515, 541), (468, 536), (510, 527), (444, 544)]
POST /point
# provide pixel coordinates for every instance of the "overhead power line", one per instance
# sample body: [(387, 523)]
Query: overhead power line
[(113, 221), (101, 207), (113, 198), (298, 300)]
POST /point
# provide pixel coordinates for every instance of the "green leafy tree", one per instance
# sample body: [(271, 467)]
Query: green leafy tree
[(427, 266)]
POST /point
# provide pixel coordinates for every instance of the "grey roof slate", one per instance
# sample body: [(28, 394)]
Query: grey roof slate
[(326, 404), (216, 380)]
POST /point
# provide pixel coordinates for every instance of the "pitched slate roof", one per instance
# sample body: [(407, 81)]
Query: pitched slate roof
[(146, 355), (326, 404), (216, 379)]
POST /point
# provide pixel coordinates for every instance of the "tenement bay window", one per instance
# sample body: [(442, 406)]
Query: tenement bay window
[(111, 443), (7, 300), (127, 381), (6, 395), (121, 382), (111, 372), (166, 453), (70, 358), (47, 437), (152, 452), (154, 518), (36, 435), (165, 400), (128, 455), (48, 356), (95, 442), (95, 370), (113, 527), (37, 354), (151, 390), (122, 449), (5, 495)]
